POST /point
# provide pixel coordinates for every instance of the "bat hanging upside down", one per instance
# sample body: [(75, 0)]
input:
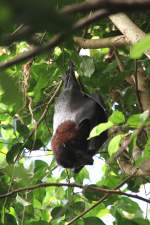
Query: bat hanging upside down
[(76, 113)]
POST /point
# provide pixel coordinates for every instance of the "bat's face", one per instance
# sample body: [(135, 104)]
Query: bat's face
[(70, 145), (71, 155)]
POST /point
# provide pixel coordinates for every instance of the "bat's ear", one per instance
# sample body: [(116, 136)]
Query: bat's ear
[(84, 128)]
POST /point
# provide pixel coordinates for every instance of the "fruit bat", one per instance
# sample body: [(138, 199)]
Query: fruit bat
[(76, 113)]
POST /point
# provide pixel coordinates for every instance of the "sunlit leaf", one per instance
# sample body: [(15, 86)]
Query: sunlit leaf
[(100, 129), (114, 144), (11, 93), (87, 66), (117, 117), (134, 121), (140, 47)]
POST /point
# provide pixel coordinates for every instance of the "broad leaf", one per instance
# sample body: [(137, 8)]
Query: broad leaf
[(140, 47), (14, 152), (117, 117), (114, 144), (100, 129), (93, 220)]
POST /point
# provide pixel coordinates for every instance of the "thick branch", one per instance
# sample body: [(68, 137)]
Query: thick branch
[(132, 32), (33, 52), (117, 5), (87, 20), (56, 40), (112, 6), (101, 43), (120, 20)]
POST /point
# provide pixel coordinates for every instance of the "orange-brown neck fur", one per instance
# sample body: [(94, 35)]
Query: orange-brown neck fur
[(65, 132)]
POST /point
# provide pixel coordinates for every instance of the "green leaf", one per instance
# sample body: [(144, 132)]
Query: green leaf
[(40, 169), (84, 174), (120, 220), (11, 94), (141, 221), (114, 144), (87, 66), (3, 108), (93, 220), (127, 208), (134, 121), (10, 219), (91, 194), (137, 120), (100, 128), (60, 193), (117, 117), (33, 144), (4, 117), (58, 212), (140, 47), (40, 222), (39, 164), (22, 129), (78, 206), (36, 204), (145, 154), (15, 150)]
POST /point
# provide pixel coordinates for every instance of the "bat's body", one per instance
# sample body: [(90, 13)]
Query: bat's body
[(76, 113)]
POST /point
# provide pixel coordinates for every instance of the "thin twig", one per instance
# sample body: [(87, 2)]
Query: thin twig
[(103, 190), (49, 102), (33, 52), (118, 61), (137, 87), (99, 201), (45, 110), (42, 117), (37, 186)]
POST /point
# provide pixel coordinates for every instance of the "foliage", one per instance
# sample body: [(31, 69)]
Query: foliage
[(26, 91), (140, 47)]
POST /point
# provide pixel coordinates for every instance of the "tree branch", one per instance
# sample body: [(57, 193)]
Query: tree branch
[(37, 186), (42, 116), (33, 52), (120, 20), (56, 40), (132, 32), (93, 17), (44, 185), (117, 5), (101, 43), (113, 6), (143, 89), (99, 201)]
